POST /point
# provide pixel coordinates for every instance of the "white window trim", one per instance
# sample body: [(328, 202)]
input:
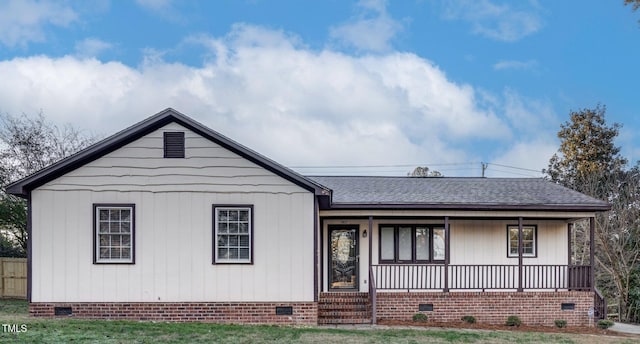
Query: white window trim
[(96, 214), (534, 246), (217, 259)]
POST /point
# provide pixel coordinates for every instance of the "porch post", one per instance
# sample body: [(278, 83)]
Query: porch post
[(446, 254), (592, 226), (569, 254), (520, 254), (569, 248), (370, 236), (372, 289)]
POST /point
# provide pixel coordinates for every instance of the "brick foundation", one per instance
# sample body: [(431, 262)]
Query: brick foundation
[(533, 308), (216, 312)]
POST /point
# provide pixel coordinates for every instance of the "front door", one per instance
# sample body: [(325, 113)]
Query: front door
[(343, 257)]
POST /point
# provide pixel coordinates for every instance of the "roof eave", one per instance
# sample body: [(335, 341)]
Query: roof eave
[(469, 207), (23, 186)]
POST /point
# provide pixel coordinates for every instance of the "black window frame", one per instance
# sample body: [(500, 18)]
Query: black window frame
[(215, 259), (96, 256), (535, 241), (396, 244), (173, 143)]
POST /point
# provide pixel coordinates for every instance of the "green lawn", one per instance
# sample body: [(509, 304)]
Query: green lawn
[(69, 330)]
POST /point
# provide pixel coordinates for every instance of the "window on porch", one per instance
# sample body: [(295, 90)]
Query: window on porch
[(412, 244), (529, 238)]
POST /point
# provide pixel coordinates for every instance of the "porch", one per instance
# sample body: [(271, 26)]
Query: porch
[(447, 283)]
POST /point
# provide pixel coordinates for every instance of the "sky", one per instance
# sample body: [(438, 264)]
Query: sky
[(334, 87)]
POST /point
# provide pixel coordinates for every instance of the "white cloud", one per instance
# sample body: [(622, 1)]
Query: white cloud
[(534, 124), (371, 30), (529, 115), (514, 64), (24, 21), (528, 156), (499, 22), (91, 47), (265, 89)]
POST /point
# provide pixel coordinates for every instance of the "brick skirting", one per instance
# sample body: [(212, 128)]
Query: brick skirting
[(533, 308), (216, 312)]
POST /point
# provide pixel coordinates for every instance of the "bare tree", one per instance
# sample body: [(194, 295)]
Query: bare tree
[(28, 144), (424, 172), (618, 239)]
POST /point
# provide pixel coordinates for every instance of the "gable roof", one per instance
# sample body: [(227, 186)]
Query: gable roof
[(23, 186), (455, 193)]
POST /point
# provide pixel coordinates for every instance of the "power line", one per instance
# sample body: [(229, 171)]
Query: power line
[(514, 167), (399, 168), (379, 166)]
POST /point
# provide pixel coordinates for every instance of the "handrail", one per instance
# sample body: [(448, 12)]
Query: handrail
[(372, 295), (599, 305)]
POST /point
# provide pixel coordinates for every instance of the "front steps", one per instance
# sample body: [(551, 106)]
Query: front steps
[(344, 308)]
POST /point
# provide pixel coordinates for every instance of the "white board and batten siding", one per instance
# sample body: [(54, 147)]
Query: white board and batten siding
[(173, 228)]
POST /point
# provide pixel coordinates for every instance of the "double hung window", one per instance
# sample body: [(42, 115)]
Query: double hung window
[(233, 230), (114, 226), (529, 238)]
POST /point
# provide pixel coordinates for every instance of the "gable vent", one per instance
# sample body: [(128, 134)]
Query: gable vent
[(174, 144)]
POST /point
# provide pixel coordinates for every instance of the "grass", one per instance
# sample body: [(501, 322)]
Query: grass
[(70, 330)]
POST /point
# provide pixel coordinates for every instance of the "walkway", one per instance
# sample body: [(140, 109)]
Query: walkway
[(625, 328)]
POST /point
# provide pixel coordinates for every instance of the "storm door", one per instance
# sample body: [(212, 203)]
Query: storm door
[(343, 257)]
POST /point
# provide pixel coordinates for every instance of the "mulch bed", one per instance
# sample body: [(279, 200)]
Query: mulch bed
[(523, 328)]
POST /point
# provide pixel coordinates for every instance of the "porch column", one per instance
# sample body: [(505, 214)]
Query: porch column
[(569, 248), (569, 254), (372, 291), (446, 254), (370, 237), (520, 254), (592, 226)]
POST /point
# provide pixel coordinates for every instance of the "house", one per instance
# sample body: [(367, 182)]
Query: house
[(169, 220)]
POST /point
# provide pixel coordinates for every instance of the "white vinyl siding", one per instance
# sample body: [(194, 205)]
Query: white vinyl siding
[(173, 228), (468, 235)]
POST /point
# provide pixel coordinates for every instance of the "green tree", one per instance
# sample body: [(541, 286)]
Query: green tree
[(28, 144), (587, 149)]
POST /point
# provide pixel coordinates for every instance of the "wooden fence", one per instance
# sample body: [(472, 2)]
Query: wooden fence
[(13, 278)]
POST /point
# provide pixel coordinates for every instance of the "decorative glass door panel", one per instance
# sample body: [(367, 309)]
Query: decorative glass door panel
[(343, 257)]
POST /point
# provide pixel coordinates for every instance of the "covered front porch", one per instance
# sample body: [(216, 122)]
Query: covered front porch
[(445, 264)]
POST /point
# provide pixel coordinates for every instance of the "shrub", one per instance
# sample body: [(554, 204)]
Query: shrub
[(469, 319), (419, 317), (561, 323), (605, 324), (513, 320)]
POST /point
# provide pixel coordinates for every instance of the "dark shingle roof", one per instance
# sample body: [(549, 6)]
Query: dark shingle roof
[(479, 193)]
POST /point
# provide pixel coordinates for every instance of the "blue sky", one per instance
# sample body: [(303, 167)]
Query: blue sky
[(328, 86)]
